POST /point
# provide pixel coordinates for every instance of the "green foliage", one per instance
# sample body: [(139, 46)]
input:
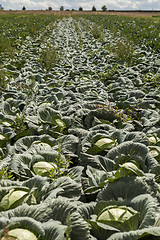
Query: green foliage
[(140, 31), (62, 8), (80, 9), (61, 164), (94, 9), (23, 8), (6, 47), (104, 8), (124, 51), (18, 27)]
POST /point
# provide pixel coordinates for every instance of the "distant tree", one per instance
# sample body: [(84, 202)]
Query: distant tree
[(61, 8), (50, 8), (94, 8), (23, 8), (73, 9), (80, 9), (1, 8), (104, 8)]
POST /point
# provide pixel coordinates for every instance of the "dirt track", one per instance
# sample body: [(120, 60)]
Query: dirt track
[(121, 13)]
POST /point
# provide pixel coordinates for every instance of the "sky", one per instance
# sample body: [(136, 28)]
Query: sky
[(86, 5)]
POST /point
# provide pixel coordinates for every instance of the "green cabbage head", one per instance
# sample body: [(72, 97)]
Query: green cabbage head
[(120, 217), (20, 234)]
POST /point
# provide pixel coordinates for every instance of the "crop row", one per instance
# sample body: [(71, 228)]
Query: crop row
[(79, 137), (142, 31)]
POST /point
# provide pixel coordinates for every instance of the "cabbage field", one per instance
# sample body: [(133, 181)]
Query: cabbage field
[(79, 128)]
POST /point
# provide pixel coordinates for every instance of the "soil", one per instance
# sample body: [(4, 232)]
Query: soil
[(69, 13)]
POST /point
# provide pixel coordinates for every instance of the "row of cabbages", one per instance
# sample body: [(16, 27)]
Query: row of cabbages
[(79, 156)]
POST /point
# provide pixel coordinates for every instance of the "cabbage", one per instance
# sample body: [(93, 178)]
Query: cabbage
[(20, 234), (152, 140), (13, 198), (60, 123), (155, 152), (43, 168), (7, 124), (119, 216), (2, 137), (103, 144), (128, 168)]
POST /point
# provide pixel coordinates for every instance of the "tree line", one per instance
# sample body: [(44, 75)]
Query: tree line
[(103, 8)]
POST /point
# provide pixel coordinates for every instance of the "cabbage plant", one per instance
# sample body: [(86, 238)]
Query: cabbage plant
[(21, 234), (121, 216), (102, 144), (16, 197)]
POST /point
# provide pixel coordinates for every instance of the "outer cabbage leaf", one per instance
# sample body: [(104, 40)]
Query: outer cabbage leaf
[(152, 233), (130, 187), (54, 230), (70, 188), (97, 179)]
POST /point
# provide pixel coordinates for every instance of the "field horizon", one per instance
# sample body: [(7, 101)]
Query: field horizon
[(133, 13)]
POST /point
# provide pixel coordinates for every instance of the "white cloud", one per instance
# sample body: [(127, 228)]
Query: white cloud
[(87, 5)]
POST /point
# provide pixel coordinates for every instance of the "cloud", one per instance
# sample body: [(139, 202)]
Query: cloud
[(87, 5)]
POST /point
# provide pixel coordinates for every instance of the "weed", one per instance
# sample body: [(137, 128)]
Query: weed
[(6, 48), (98, 33), (19, 122), (3, 79), (49, 57), (79, 34), (152, 78), (126, 114), (69, 227), (5, 174), (124, 50), (4, 233), (109, 74), (61, 165)]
